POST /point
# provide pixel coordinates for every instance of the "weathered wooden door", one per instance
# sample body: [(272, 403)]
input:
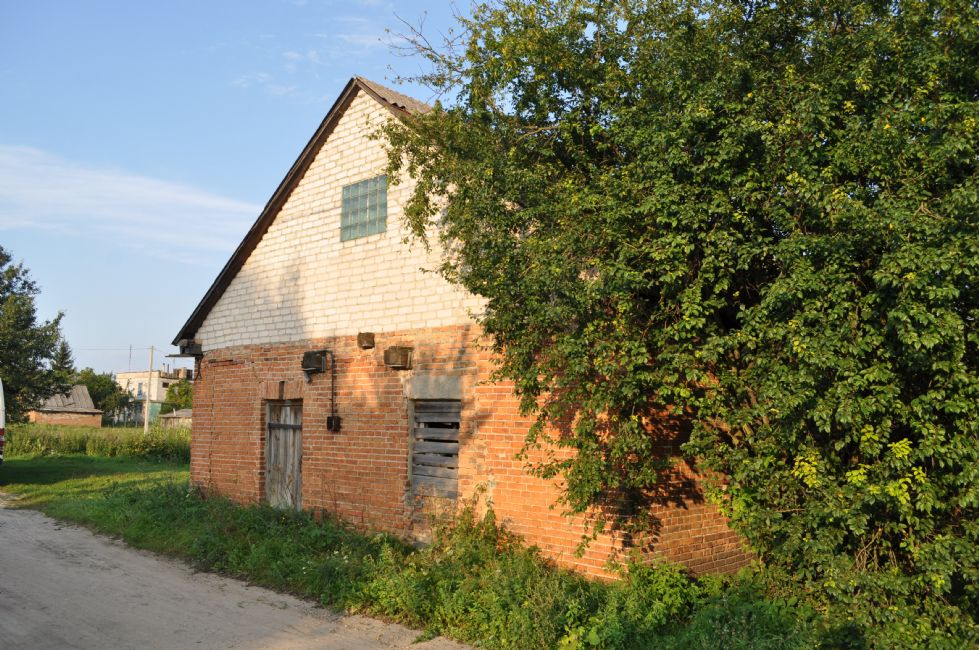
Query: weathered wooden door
[(284, 454)]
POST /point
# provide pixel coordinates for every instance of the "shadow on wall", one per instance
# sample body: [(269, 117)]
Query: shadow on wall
[(632, 514)]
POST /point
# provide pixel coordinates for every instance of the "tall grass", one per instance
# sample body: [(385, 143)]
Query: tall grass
[(476, 582), (47, 439)]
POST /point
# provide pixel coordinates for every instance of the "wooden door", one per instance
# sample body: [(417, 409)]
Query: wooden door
[(284, 454)]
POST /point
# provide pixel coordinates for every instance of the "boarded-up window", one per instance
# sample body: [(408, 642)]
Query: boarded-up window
[(435, 449), (283, 454)]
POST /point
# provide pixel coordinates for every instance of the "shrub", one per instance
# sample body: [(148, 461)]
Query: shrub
[(762, 217), (739, 618), (41, 440), (475, 582)]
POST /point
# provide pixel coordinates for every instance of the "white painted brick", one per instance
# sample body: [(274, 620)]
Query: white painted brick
[(302, 282)]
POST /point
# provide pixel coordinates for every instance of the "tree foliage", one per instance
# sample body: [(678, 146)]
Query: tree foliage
[(27, 346), (63, 362), (105, 392), (180, 395), (761, 219)]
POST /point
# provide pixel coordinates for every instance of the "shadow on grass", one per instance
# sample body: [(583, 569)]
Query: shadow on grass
[(47, 470)]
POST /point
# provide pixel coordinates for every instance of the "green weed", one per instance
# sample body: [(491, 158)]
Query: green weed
[(475, 582), (43, 440)]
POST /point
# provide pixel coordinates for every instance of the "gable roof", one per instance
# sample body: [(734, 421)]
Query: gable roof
[(77, 400), (397, 103), (179, 413)]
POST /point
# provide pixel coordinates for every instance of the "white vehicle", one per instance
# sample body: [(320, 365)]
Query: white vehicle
[(3, 422)]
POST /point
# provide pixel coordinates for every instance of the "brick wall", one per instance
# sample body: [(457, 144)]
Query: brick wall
[(303, 289), (301, 282), (67, 419), (361, 472)]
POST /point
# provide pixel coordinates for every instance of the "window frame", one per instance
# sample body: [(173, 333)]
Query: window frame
[(363, 208)]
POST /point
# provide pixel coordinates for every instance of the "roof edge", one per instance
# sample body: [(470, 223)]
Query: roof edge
[(394, 102)]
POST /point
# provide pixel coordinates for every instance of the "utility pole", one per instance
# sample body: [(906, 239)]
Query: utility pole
[(146, 403)]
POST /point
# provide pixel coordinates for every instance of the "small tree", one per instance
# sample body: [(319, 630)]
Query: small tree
[(180, 395), (761, 218), (63, 362), (27, 347), (106, 394)]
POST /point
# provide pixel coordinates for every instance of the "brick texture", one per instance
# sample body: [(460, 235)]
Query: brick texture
[(361, 472), (302, 289), (66, 419), (302, 282)]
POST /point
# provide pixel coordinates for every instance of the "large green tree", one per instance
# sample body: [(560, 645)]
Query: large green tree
[(105, 392), (180, 395), (761, 219), (27, 347)]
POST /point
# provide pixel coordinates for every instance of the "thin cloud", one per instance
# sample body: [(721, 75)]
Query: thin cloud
[(357, 31), (363, 41), (310, 56), (43, 191), (265, 82)]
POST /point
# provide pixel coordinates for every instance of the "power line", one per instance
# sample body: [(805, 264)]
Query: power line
[(125, 349)]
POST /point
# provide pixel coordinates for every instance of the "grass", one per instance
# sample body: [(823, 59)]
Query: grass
[(41, 439), (477, 582)]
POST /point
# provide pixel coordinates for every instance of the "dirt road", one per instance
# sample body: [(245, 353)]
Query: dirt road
[(63, 587)]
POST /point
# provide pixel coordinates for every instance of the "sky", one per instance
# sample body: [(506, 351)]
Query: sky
[(140, 140)]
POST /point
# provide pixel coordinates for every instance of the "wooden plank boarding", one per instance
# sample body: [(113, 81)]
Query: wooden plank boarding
[(437, 472), (283, 455), (432, 433), (436, 460), (435, 416), (447, 488), (442, 447), (435, 449)]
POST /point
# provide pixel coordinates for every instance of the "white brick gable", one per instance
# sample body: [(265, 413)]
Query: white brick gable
[(302, 282)]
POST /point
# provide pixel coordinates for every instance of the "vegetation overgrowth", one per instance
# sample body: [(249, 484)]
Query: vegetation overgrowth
[(760, 217), (41, 439), (476, 582), (29, 348)]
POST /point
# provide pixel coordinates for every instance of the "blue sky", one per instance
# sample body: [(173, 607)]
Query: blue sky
[(139, 141)]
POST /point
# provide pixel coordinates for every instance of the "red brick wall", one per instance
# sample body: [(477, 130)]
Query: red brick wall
[(361, 472), (67, 419)]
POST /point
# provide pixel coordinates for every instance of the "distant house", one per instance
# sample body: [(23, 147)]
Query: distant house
[(179, 419), (152, 385), (74, 408)]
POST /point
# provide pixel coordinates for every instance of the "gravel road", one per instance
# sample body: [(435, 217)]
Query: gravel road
[(63, 587)]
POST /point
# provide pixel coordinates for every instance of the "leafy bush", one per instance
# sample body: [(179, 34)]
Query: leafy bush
[(41, 440), (479, 583), (637, 610), (740, 619), (475, 582), (759, 217)]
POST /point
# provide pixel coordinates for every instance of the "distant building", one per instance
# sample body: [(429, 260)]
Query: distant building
[(144, 384), (179, 419), (74, 408)]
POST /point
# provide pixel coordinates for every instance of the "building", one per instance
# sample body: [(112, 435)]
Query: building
[(334, 374), (179, 419), (74, 408), (152, 385)]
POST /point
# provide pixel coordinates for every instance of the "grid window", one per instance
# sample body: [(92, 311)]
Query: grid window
[(365, 208)]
